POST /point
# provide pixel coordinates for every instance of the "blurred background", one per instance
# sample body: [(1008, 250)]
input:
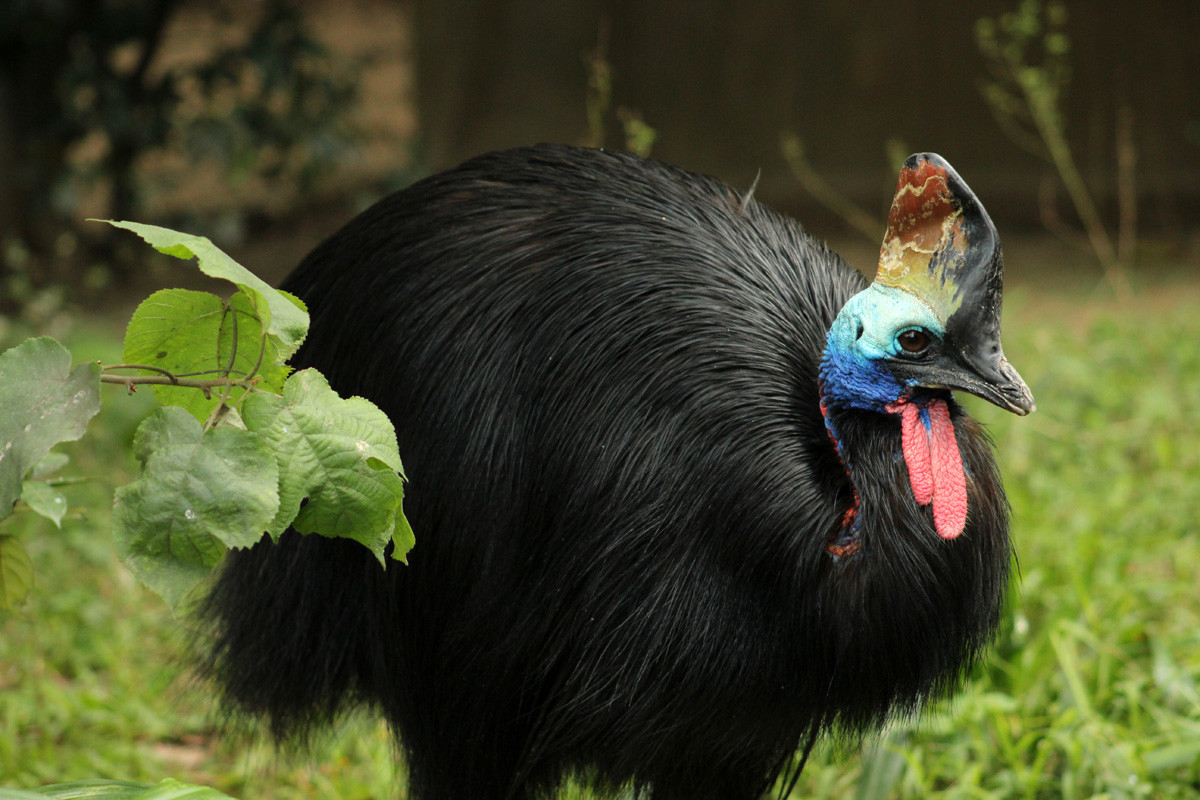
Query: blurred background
[(266, 124)]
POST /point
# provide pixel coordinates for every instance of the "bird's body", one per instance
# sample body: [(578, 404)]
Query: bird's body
[(647, 550)]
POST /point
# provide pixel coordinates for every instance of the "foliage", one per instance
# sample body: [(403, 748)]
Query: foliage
[(273, 103), (239, 448), (1028, 53), (78, 75), (167, 789), (43, 401), (638, 135)]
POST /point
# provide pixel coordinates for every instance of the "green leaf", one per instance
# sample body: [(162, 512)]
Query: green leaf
[(50, 464), (16, 573), (43, 401), (198, 494), (882, 768), (168, 789), (403, 538), (45, 500), (338, 453), (284, 316), (187, 332)]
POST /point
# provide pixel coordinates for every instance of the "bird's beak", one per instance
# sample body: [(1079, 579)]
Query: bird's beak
[(982, 371), (998, 383)]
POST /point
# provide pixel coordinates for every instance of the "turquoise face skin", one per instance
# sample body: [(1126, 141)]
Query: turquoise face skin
[(861, 340)]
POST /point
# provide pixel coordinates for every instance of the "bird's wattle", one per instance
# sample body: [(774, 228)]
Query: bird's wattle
[(934, 463), (935, 468)]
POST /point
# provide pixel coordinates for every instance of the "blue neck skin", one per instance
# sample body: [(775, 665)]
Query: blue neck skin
[(854, 373)]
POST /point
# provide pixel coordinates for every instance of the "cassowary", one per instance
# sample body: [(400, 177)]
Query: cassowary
[(687, 492)]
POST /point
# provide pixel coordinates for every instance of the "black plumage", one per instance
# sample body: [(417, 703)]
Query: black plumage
[(603, 372)]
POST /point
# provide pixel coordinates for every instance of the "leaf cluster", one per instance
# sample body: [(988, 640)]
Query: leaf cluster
[(43, 401), (240, 445)]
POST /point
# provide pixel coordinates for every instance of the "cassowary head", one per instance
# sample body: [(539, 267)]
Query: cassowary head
[(929, 323)]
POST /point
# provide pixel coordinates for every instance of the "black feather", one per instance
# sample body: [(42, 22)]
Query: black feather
[(603, 375)]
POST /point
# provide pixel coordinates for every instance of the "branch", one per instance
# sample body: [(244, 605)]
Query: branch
[(1051, 221), (1046, 118), (853, 215), (131, 382), (1126, 186), (151, 368)]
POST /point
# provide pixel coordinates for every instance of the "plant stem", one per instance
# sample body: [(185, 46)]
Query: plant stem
[(131, 382), (1047, 121), (1126, 186), (854, 216)]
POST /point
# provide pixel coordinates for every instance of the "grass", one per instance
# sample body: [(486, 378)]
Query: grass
[(1090, 692)]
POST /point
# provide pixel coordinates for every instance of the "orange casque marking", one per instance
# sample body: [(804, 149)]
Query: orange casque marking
[(922, 194), (925, 220)]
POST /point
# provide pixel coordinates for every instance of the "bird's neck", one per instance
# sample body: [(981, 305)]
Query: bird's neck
[(925, 433), (896, 595)]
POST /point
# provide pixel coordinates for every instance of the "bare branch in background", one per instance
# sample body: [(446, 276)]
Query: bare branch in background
[(1028, 52), (851, 213)]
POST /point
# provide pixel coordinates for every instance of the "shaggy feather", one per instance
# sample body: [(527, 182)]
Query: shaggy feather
[(603, 375)]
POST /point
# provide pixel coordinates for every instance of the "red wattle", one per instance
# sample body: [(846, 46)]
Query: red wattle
[(934, 464), (950, 483), (915, 441)]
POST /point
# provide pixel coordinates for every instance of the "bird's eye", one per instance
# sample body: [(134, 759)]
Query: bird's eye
[(913, 340)]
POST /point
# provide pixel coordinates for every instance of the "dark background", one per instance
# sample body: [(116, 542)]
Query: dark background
[(720, 80), (411, 87)]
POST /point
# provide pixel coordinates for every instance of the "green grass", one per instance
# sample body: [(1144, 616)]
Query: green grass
[(1090, 692)]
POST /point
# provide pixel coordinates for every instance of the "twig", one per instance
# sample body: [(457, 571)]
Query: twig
[(1127, 210), (161, 371), (262, 351), (854, 216), (1051, 221), (599, 92), (1047, 121), (231, 315), (131, 382)]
